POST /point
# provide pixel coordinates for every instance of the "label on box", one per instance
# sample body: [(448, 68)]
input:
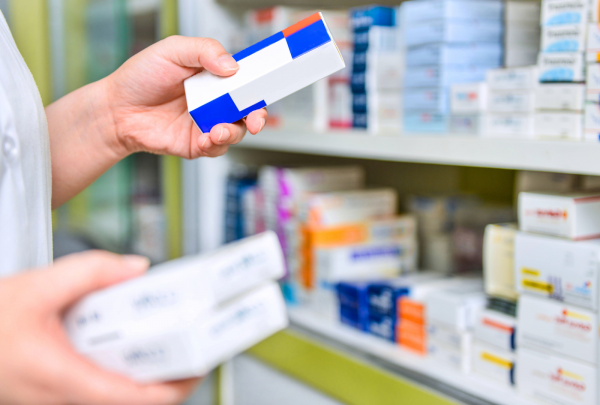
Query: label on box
[(592, 119), (443, 334), (513, 78), (558, 328), (509, 125), (468, 98), (564, 38), (559, 96), (560, 12), (593, 37), (469, 124), (494, 363), (503, 101), (425, 121), (556, 380), (557, 268), (496, 329), (561, 67), (498, 260), (559, 125), (449, 355)]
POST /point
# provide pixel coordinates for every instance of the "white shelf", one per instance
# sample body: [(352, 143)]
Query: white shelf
[(551, 156), (473, 385)]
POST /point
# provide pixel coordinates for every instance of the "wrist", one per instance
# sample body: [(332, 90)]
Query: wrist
[(106, 116)]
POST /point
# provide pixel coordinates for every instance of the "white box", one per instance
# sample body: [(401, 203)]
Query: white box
[(558, 328), (441, 333), (593, 37), (507, 101), (195, 284), (513, 78), (564, 38), (498, 260), (449, 355), (305, 51), (457, 306), (559, 96), (465, 124), (509, 125), (559, 125), (494, 363), (558, 268), (562, 67), (496, 329), (522, 12), (594, 11), (559, 12), (556, 380), (163, 351), (468, 98), (573, 216), (593, 80), (592, 121)]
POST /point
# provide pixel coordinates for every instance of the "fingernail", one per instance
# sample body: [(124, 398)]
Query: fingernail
[(204, 143), (224, 134), (262, 124), (228, 63), (137, 262)]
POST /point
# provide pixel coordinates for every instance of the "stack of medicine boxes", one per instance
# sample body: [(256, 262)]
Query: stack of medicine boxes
[(447, 41), (521, 33), (562, 59), (556, 274), (376, 70), (592, 108), (468, 103)]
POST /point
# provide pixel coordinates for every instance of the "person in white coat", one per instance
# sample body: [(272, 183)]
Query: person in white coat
[(46, 158)]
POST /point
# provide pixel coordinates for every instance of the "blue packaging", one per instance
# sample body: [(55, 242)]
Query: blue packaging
[(483, 54), (444, 76), (414, 11), (378, 39), (453, 32), (365, 17), (435, 99), (425, 122), (354, 318), (353, 294), (383, 326), (383, 296), (359, 102), (360, 120), (358, 82)]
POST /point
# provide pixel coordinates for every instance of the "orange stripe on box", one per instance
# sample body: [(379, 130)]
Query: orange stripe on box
[(497, 325), (301, 24)]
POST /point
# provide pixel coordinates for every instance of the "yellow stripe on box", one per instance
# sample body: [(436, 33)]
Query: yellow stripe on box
[(530, 272), (538, 286), (499, 361), (571, 375), (577, 315)]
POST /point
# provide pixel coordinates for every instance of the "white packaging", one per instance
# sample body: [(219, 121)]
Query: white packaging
[(496, 329), (171, 350), (441, 333), (560, 96), (465, 124), (194, 284), (559, 12), (559, 125), (594, 11), (593, 80), (592, 122), (556, 380), (522, 35), (557, 328), (494, 363), (498, 260), (558, 268), (573, 216), (507, 101), (457, 306), (450, 355), (564, 38), (562, 67), (513, 78), (508, 125), (468, 98), (593, 38), (522, 12)]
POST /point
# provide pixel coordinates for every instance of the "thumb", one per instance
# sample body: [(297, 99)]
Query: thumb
[(74, 276), (193, 52)]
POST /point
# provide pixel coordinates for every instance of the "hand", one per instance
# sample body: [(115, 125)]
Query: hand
[(37, 363), (147, 100)]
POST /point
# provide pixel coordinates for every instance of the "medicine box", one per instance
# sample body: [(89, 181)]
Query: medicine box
[(559, 96), (377, 40), (522, 55), (442, 334), (383, 326), (592, 120), (498, 260), (557, 328), (188, 343), (506, 101), (522, 35), (593, 38), (427, 98), (425, 121), (174, 288), (508, 125), (496, 329), (561, 12), (305, 51), (468, 98), (381, 71), (562, 67), (557, 268), (365, 17), (443, 76), (411, 336), (457, 306), (494, 363), (353, 302), (449, 355), (572, 216), (465, 124), (555, 379), (428, 32), (454, 9), (559, 125), (512, 78), (465, 54), (593, 83), (382, 113), (564, 38)]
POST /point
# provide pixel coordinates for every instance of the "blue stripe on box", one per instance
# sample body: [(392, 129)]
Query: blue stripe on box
[(258, 46), (221, 110), (308, 38)]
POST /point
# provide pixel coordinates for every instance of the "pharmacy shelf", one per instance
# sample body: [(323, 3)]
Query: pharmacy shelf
[(318, 4), (424, 371), (550, 156)]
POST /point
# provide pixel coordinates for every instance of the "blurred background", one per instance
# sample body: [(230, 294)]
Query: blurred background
[(412, 118)]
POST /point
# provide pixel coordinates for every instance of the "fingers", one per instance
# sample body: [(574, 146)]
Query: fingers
[(199, 52), (74, 276), (256, 121), (227, 134)]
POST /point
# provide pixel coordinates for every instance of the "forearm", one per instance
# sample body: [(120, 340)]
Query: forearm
[(83, 140)]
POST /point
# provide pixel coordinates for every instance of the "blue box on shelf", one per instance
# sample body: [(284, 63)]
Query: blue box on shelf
[(364, 17), (414, 11), (425, 122), (481, 54), (434, 99), (439, 31), (383, 326), (444, 76)]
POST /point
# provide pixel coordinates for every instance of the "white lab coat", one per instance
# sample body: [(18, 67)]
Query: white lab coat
[(25, 170)]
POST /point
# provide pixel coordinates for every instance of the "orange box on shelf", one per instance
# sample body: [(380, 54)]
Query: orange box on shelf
[(412, 336)]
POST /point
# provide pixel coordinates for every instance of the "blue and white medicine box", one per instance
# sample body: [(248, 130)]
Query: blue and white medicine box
[(427, 98), (425, 121), (413, 11), (383, 326), (353, 304), (483, 54), (453, 31), (443, 76), (560, 12), (365, 17), (564, 38), (269, 70), (383, 297)]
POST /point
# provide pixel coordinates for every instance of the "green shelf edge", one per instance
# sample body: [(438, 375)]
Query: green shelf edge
[(338, 375)]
